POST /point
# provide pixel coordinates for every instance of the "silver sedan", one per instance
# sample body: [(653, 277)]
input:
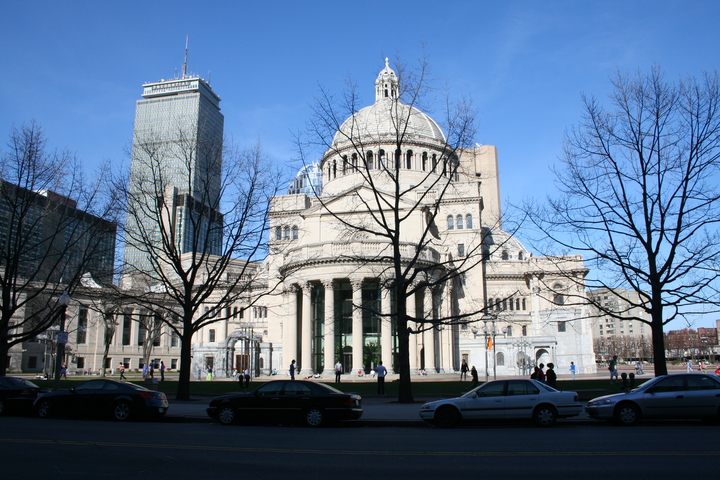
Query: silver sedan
[(504, 399), (691, 395)]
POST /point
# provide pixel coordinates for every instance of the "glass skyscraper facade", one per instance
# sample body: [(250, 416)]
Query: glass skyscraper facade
[(175, 173)]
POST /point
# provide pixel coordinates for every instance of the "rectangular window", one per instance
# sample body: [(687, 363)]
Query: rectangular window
[(561, 326), (108, 362), (211, 338), (174, 339), (461, 248), (127, 324), (32, 362), (174, 363), (81, 333), (126, 362), (80, 362)]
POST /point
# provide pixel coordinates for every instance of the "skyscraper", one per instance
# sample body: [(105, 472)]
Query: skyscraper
[(175, 173)]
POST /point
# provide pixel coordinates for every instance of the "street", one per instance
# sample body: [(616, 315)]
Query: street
[(33, 448)]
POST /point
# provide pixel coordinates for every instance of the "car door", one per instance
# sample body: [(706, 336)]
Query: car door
[(702, 396), (86, 398), (665, 399), (266, 402), (487, 403), (521, 398), (296, 398)]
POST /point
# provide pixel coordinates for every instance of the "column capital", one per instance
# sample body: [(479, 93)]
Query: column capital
[(356, 283), (329, 284)]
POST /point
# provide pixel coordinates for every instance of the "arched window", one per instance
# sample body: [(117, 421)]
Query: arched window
[(354, 161), (381, 160), (344, 164), (505, 255), (434, 164), (278, 233), (524, 330), (459, 222), (559, 299), (408, 159), (520, 255), (424, 161), (398, 159), (286, 233), (500, 359), (369, 157), (468, 221), (334, 168), (295, 232), (509, 330), (451, 222), (524, 307)]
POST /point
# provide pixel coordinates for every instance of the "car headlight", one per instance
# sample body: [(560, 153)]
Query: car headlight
[(602, 401)]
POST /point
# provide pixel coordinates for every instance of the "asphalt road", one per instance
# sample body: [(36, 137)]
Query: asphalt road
[(31, 448)]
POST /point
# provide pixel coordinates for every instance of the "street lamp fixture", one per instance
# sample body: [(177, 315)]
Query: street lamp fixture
[(62, 338), (490, 334)]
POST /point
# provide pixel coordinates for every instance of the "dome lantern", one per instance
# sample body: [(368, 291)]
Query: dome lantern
[(387, 85)]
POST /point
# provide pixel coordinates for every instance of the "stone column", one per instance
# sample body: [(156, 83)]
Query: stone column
[(386, 329), (357, 331), (413, 340), (306, 331), (329, 340), (446, 334), (429, 335), (289, 344)]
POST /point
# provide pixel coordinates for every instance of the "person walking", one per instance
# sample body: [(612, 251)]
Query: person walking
[(689, 366), (162, 371), (292, 370), (338, 371), (121, 369), (613, 368), (151, 370), (550, 375), (463, 370), (474, 376), (246, 375), (209, 375), (572, 370), (144, 370), (381, 372)]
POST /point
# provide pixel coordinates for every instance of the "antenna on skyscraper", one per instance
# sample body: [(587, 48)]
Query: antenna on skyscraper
[(186, 54)]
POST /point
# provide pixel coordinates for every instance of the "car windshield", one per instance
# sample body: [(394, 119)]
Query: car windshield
[(11, 382)]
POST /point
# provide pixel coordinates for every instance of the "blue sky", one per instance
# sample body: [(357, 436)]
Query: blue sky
[(77, 67)]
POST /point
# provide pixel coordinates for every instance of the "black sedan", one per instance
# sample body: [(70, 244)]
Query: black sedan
[(280, 401), (102, 397), (17, 395)]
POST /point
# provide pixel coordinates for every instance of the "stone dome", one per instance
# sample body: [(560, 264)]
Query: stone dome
[(387, 116)]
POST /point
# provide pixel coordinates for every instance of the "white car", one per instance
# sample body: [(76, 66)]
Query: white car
[(504, 399)]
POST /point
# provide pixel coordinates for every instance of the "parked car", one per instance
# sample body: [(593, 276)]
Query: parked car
[(17, 395), (102, 397), (679, 396), (504, 399), (280, 401)]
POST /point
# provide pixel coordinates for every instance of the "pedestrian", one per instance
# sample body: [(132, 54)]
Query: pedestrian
[(689, 366), (381, 372), (209, 375), (474, 376), (338, 371), (151, 370), (613, 368), (121, 369), (550, 375), (246, 374), (541, 373), (292, 370), (639, 368), (162, 371), (63, 372), (572, 370), (463, 370), (144, 371)]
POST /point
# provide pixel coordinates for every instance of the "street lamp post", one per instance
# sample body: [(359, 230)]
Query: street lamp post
[(492, 333), (62, 337)]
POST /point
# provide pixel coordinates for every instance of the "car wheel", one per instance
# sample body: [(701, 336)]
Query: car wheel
[(545, 415), (626, 414), (122, 411), (44, 409), (226, 415), (314, 417), (447, 417)]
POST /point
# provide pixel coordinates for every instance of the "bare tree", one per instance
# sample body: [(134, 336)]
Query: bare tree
[(194, 231), (56, 227), (638, 196), (397, 197)]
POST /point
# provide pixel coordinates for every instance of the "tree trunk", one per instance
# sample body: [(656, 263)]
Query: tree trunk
[(405, 387), (183, 390)]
